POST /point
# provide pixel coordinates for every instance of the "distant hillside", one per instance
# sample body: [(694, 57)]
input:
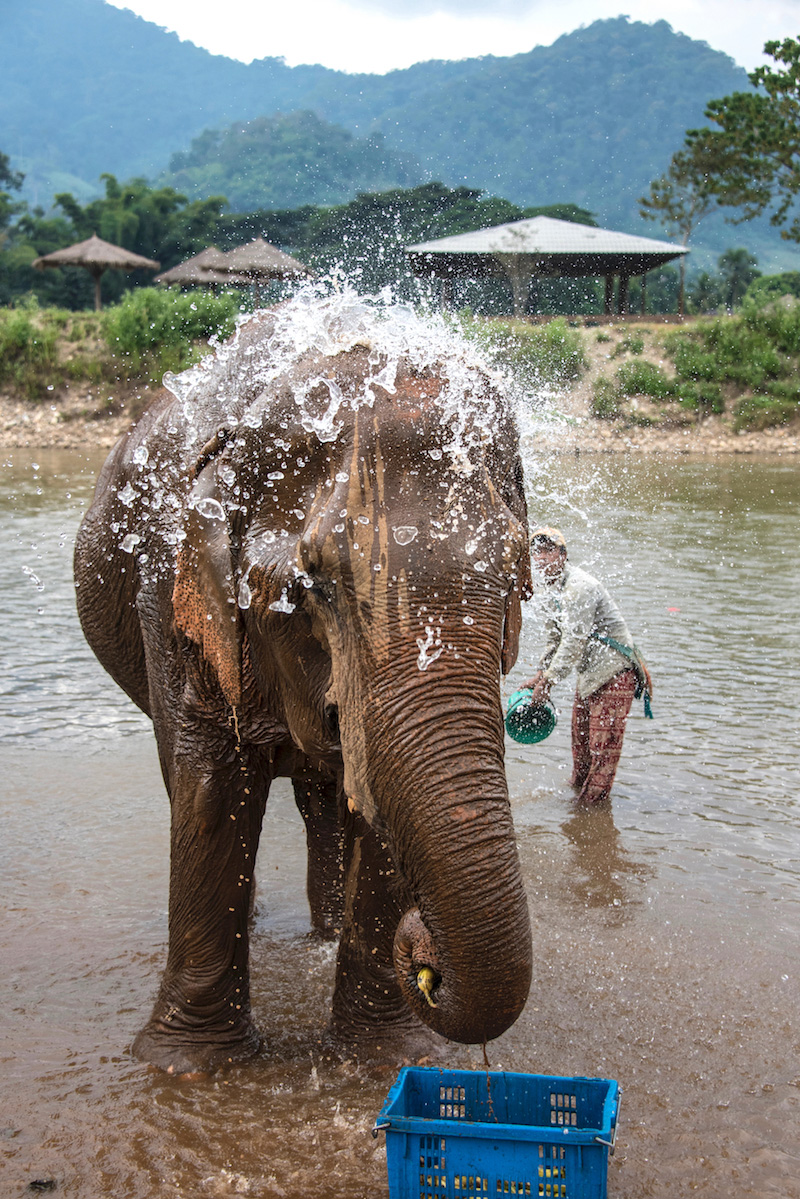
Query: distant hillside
[(87, 88), (287, 162)]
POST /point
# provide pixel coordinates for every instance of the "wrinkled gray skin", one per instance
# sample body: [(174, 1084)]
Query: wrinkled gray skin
[(378, 694)]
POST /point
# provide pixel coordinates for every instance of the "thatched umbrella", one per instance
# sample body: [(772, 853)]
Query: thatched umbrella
[(261, 262), (97, 256), (202, 268), (258, 262)]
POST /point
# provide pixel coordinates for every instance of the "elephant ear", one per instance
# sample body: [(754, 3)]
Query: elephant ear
[(512, 624), (512, 627), (203, 599)]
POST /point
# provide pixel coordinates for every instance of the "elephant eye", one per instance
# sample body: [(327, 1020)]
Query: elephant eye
[(321, 589)]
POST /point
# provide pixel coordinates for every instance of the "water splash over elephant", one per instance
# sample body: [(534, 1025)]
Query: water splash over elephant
[(306, 560)]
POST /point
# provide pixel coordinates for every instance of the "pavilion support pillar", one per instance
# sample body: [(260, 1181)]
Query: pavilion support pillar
[(622, 295), (519, 270), (608, 304), (643, 305), (447, 292)]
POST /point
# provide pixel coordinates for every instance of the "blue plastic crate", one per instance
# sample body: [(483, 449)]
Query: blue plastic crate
[(465, 1134)]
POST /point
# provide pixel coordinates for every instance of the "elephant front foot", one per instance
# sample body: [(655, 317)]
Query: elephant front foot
[(180, 1049), (403, 1040), (371, 1020)]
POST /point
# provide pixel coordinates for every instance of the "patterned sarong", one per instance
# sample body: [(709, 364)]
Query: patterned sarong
[(598, 726)]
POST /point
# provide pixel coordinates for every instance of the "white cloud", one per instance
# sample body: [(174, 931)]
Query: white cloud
[(380, 35)]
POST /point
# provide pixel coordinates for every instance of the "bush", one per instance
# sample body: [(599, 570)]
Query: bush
[(768, 288), (605, 399), (644, 379), (702, 397), (157, 330), (631, 343), (28, 352), (763, 412), (537, 355)]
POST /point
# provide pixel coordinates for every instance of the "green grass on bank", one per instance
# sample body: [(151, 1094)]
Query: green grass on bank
[(746, 365), (42, 350), (537, 355), (152, 331)]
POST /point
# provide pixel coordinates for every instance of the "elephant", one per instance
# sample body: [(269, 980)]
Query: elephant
[(305, 560)]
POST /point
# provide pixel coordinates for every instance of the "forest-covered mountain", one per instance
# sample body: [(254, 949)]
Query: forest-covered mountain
[(288, 161), (87, 88)]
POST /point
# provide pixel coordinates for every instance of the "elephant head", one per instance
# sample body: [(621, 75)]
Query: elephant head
[(355, 552)]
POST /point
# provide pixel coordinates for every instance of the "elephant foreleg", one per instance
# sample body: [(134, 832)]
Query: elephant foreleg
[(316, 798), (201, 1017), (368, 1008)]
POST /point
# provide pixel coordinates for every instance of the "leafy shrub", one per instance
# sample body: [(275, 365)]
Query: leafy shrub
[(605, 399), (537, 355), (156, 330), (690, 358), (702, 397), (768, 288), (756, 352), (763, 412), (631, 343), (602, 336), (28, 352), (646, 379)]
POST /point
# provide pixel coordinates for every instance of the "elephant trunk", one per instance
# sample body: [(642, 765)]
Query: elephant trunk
[(463, 954)]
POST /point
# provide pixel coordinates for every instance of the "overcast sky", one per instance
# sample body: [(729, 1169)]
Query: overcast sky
[(380, 35)]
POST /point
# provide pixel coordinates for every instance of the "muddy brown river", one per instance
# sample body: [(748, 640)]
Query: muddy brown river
[(665, 928)]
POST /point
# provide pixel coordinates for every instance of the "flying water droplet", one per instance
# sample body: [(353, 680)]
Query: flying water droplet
[(283, 604), (34, 578), (129, 543), (210, 508), (245, 596), (404, 534), (127, 495), (425, 658)]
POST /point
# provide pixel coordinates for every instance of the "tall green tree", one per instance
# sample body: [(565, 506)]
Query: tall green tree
[(678, 200), (751, 155), (10, 180), (737, 268)]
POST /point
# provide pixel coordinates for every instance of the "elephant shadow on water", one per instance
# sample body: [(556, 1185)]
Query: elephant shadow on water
[(306, 560)]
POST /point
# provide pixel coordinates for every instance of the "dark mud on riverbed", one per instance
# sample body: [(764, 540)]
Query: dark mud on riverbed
[(665, 929)]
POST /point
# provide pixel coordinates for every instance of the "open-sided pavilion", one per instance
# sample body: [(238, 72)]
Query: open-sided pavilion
[(542, 247)]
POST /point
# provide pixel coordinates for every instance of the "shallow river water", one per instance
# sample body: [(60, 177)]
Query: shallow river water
[(665, 928)]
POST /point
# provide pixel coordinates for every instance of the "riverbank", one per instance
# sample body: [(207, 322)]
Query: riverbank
[(96, 415)]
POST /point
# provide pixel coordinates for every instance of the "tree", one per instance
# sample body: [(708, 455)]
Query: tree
[(752, 156), (679, 199), (9, 181), (737, 269)]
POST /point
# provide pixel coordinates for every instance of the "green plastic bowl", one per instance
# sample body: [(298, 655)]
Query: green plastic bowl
[(527, 722)]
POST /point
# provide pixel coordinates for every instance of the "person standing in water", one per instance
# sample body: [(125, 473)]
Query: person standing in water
[(586, 632)]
